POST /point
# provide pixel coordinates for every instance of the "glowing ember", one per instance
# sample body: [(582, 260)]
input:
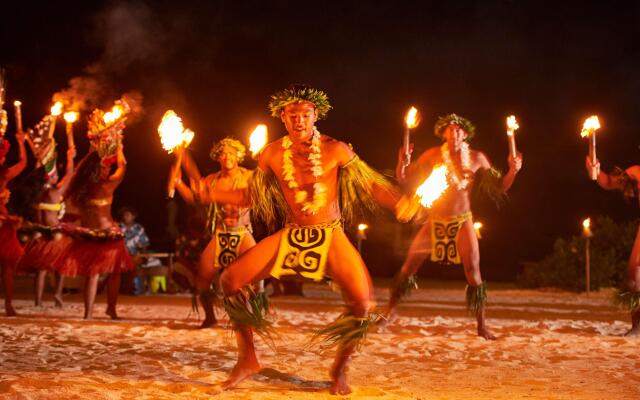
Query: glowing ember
[(71, 116), (56, 109), (586, 224), (172, 132), (512, 125), (258, 139), (590, 125), (363, 227), (434, 186), (411, 120)]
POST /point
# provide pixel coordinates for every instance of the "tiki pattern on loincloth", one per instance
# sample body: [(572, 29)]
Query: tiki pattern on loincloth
[(444, 237), (228, 246), (303, 251)]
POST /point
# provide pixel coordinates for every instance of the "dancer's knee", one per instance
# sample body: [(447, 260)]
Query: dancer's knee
[(229, 284)]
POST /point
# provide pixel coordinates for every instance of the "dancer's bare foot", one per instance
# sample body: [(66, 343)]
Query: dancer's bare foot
[(57, 300), (208, 323), (633, 332), (9, 311), (484, 333), (112, 313), (241, 371), (339, 384)]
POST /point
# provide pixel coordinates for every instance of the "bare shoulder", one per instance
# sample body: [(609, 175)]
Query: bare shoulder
[(268, 154), (429, 156), (339, 150), (480, 159)]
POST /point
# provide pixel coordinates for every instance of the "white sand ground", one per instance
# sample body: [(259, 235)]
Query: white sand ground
[(551, 345)]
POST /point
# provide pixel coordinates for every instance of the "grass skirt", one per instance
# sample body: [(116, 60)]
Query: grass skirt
[(84, 256)]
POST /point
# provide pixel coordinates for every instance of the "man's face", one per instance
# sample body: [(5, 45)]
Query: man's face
[(228, 158), (455, 136), (299, 119)]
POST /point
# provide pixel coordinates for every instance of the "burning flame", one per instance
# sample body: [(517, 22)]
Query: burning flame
[(363, 227), (586, 224), (17, 103), (433, 187), (71, 116), (476, 227), (590, 125), (411, 120), (172, 132), (512, 125), (113, 115), (258, 139), (56, 109)]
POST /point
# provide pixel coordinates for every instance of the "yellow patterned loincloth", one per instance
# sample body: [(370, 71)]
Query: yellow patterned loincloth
[(228, 245), (303, 250), (444, 237)]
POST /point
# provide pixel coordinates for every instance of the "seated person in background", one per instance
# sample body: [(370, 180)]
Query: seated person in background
[(136, 241)]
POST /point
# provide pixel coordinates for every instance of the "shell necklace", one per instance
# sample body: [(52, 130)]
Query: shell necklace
[(319, 197), (455, 177)]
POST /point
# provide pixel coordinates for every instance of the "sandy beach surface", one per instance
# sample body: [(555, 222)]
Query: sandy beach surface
[(551, 345)]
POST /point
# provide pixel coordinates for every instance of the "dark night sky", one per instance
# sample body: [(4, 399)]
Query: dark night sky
[(216, 63)]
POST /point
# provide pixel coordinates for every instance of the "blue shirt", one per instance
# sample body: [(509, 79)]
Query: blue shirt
[(135, 238)]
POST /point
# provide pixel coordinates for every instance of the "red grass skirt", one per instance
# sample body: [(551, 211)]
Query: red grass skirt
[(90, 257), (10, 248), (43, 253)]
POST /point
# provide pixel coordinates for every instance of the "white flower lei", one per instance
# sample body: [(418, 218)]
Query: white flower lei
[(319, 198), (453, 176)]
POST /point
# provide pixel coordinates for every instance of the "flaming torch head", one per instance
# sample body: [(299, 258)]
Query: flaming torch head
[(56, 109), (590, 125), (433, 187), (362, 227), (17, 103), (476, 227), (412, 119), (586, 228), (512, 125), (71, 117), (258, 139), (172, 132)]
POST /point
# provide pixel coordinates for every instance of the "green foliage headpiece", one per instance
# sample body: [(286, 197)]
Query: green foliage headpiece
[(299, 93), (233, 143), (453, 119)]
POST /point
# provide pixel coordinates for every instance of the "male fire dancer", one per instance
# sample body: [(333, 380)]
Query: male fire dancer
[(310, 181), (228, 224), (628, 182), (448, 235)]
